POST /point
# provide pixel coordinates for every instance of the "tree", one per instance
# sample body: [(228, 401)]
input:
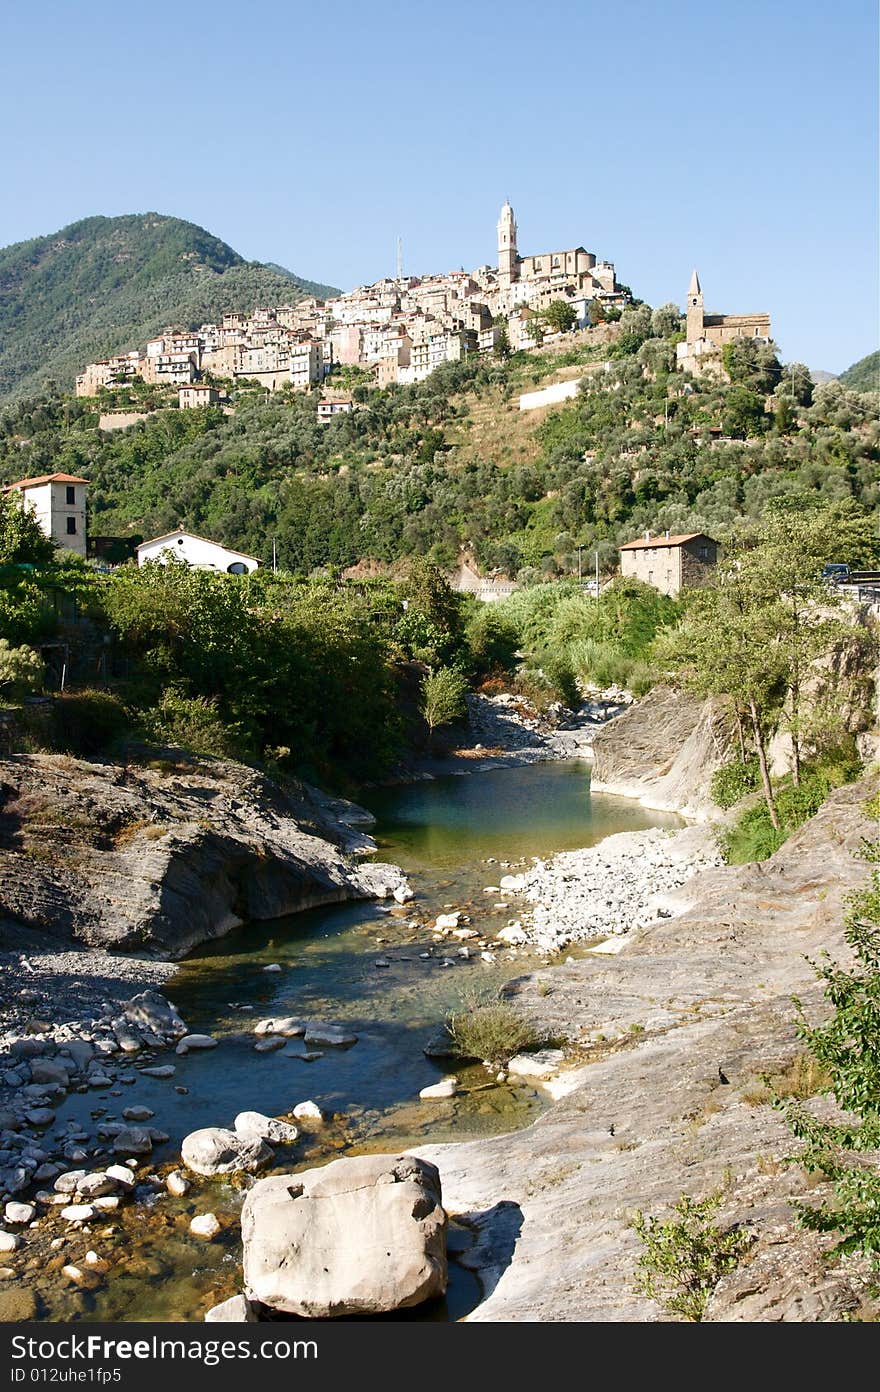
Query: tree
[(847, 1046), (560, 316), (22, 539), (535, 329), (443, 697), (502, 343), (596, 312), (666, 320), (743, 414), (21, 671)]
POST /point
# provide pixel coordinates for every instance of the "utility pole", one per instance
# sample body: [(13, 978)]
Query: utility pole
[(580, 549), (597, 576)]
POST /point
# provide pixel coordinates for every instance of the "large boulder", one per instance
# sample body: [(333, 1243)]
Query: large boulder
[(359, 1236), (214, 1150)]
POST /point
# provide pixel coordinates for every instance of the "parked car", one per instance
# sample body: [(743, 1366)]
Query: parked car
[(835, 573)]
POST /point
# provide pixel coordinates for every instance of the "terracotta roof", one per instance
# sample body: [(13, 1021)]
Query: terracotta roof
[(662, 541), (46, 478)]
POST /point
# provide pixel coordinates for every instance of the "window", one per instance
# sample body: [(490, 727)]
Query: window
[(704, 553), (71, 494), (71, 526)]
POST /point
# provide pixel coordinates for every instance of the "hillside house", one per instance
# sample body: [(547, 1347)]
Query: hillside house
[(197, 394), (670, 563), (58, 501), (195, 551)]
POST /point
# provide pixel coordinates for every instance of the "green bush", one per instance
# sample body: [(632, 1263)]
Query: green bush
[(489, 1030), (733, 781), (194, 723), (492, 640), (753, 837), (21, 671), (685, 1257), (89, 722), (561, 676)]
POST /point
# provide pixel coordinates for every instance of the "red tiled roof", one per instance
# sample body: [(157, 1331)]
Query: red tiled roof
[(664, 540), (46, 478)]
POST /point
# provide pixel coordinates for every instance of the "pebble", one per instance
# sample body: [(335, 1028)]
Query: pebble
[(78, 1213), (273, 967), (307, 1111), (19, 1212), (121, 1175), (177, 1184), (205, 1225), (138, 1113), (9, 1241)]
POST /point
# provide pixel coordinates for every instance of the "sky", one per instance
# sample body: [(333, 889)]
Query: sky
[(662, 135)]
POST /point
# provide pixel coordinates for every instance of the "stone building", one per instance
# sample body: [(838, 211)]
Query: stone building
[(708, 333), (670, 563)]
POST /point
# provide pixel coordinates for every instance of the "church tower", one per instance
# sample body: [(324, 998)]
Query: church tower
[(694, 310), (508, 259)]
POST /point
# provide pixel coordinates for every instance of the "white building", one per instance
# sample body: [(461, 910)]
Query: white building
[(195, 551), (58, 501)]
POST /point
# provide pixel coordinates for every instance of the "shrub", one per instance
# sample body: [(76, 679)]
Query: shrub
[(194, 723), (489, 1029), (492, 640), (443, 697), (733, 781), (847, 1046), (754, 838), (685, 1257), (560, 674), (21, 671), (89, 722)]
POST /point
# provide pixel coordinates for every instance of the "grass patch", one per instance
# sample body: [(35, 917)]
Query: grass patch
[(490, 1030), (802, 1077)]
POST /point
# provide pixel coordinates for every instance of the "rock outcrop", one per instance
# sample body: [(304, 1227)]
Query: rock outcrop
[(360, 1236), (663, 751), (153, 860), (675, 1033)]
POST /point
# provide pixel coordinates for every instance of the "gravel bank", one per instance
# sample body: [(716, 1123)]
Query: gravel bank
[(609, 889)]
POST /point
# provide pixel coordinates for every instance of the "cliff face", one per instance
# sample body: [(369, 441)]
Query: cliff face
[(663, 751), (158, 860)]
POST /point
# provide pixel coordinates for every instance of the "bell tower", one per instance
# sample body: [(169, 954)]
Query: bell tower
[(694, 310), (508, 258)]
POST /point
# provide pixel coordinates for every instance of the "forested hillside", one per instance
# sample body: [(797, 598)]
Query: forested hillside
[(107, 284), (864, 375), (451, 465)]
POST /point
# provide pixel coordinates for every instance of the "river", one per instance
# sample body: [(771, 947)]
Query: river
[(362, 964)]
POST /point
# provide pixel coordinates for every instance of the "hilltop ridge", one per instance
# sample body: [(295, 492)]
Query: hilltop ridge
[(99, 284)]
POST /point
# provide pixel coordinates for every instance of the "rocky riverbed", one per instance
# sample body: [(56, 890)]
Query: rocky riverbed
[(606, 890)]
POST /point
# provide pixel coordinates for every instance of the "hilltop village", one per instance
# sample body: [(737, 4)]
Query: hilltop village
[(398, 329)]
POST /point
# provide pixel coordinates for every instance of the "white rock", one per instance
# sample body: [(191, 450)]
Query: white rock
[(195, 1041), (78, 1213), (9, 1241), (447, 1087), (162, 1070), (513, 935), (512, 882), (265, 1128), (334, 1036), (215, 1150), (273, 967), (19, 1212), (236, 1310), (95, 1186), (363, 1235), (446, 921), (205, 1225), (268, 1043), (108, 1203), (287, 1026), (542, 1064), (403, 894), (307, 1111), (177, 1184), (123, 1176)]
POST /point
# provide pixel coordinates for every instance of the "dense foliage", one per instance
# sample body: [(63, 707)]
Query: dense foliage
[(847, 1045), (409, 472), (864, 375), (105, 285)]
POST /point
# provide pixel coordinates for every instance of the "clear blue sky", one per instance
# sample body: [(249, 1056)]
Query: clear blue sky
[(739, 138)]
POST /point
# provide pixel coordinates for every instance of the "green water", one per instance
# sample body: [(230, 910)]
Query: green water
[(442, 833)]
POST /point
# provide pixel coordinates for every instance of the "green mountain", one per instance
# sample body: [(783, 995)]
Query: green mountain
[(864, 375), (107, 284)]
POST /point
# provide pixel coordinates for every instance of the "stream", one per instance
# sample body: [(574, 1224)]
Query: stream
[(378, 970)]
